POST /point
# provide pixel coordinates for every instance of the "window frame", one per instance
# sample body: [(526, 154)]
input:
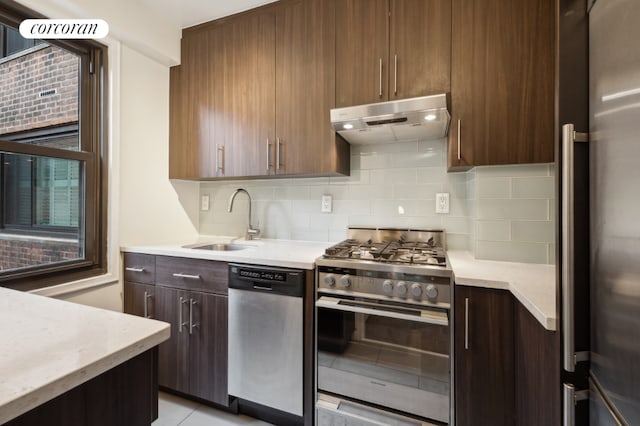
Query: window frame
[(92, 131), (29, 136)]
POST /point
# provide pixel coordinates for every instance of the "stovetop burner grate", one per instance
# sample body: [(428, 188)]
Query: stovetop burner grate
[(397, 246)]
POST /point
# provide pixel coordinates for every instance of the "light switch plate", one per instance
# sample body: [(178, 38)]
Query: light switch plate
[(204, 202), (442, 202), (327, 204)]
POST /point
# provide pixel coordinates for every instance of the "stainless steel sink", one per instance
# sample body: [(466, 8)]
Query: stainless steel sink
[(222, 247)]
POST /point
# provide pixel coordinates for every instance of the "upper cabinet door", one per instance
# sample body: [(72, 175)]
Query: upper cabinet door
[(419, 48), (362, 51), (248, 94), (190, 156), (502, 82)]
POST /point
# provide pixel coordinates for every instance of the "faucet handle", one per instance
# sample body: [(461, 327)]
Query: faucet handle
[(251, 232)]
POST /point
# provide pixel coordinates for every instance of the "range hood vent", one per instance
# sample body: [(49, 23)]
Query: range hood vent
[(420, 118)]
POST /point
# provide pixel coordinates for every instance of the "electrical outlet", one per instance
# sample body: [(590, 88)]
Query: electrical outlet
[(327, 204), (204, 203), (442, 202)]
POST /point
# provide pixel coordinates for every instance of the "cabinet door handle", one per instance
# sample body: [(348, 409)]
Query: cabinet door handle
[(459, 140), (466, 323), (220, 158), (180, 322), (191, 323), (131, 269), (380, 81), (395, 75), (279, 163), (188, 276), (147, 296), (269, 164)]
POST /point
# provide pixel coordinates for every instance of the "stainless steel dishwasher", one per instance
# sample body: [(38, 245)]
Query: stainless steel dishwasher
[(266, 336)]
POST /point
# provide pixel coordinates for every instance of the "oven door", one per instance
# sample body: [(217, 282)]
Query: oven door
[(388, 354)]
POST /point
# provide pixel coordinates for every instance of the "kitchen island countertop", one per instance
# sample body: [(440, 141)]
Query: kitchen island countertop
[(49, 347), (533, 285)]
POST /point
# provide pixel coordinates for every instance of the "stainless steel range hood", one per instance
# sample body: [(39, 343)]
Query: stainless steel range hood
[(420, 118)]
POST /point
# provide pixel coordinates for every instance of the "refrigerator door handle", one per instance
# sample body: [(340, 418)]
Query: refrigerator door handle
[(569, 399), (569, 137)]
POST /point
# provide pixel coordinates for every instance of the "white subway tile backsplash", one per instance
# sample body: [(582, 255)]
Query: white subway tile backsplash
[(524, 170), (493, 230), (512, 251), (533, 187), (512, 209), (530, 231), (502, 212), (493, 188)]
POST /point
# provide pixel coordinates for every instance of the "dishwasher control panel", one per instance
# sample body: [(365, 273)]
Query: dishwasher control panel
[(283, 281)]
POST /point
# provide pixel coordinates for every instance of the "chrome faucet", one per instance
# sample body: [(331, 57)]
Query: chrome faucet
[(251, 231)]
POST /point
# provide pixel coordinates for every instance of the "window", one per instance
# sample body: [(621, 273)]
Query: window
[(52, 167)]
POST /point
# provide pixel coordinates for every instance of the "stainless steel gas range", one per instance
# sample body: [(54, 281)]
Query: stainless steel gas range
[(383, 329)]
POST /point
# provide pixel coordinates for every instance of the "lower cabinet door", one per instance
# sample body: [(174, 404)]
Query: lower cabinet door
[(484, 357), (172, 306), (139, 299), (208, 347)]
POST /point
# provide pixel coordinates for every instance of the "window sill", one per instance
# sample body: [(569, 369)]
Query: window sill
[(75, 286)]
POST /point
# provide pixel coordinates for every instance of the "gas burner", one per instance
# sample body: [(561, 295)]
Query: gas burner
[(391, 246)]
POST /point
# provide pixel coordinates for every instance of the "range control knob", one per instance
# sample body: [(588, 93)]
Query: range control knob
[(401, 288), (387, 287), (345, 281), (330, 280), (432, 292), (416, 290)]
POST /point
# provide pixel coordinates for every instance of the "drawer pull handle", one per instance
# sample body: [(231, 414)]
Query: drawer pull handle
[(188, 276), (132, 269)]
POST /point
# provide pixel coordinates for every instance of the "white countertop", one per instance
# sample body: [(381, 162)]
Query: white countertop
[(532, 284), (49, 346), (282, 253)]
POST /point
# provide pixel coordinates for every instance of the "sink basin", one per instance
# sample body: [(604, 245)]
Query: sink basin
[(222, 247)]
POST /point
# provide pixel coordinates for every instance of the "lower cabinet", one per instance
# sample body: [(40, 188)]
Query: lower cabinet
[(190, 295), (194, 360), (507, 365), (127, 395), (484, 357)]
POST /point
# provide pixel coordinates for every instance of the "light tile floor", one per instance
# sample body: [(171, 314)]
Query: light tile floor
[(174, 411)]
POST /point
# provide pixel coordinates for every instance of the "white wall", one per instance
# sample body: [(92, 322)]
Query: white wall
[(151, 207), (130, 22)]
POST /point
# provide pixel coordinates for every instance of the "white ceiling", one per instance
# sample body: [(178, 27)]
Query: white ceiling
[(186, 13)]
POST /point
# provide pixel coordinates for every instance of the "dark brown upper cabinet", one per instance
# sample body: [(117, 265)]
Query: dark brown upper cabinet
[(265, 84), (392, 49), (502, 82)]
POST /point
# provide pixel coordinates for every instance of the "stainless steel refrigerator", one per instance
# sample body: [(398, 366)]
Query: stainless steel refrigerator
[(602, 369)]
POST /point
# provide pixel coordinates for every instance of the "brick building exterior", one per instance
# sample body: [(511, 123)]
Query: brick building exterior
[(38, 90)]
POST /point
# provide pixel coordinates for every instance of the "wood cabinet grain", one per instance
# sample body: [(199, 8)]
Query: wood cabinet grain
[(502, 82), (268, 85), (125, 395), (392, 49), (484, 357), (537, 365)]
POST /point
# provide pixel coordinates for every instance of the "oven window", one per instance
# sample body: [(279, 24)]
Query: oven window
[(385, 361)]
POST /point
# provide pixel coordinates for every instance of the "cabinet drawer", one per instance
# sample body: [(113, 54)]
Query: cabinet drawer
[(140, 268), (192, 274)]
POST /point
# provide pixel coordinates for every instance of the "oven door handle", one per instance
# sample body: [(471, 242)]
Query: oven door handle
[(427, 316)]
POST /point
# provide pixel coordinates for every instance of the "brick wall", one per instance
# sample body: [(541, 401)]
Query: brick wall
[(23, 78), (16, 252)]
